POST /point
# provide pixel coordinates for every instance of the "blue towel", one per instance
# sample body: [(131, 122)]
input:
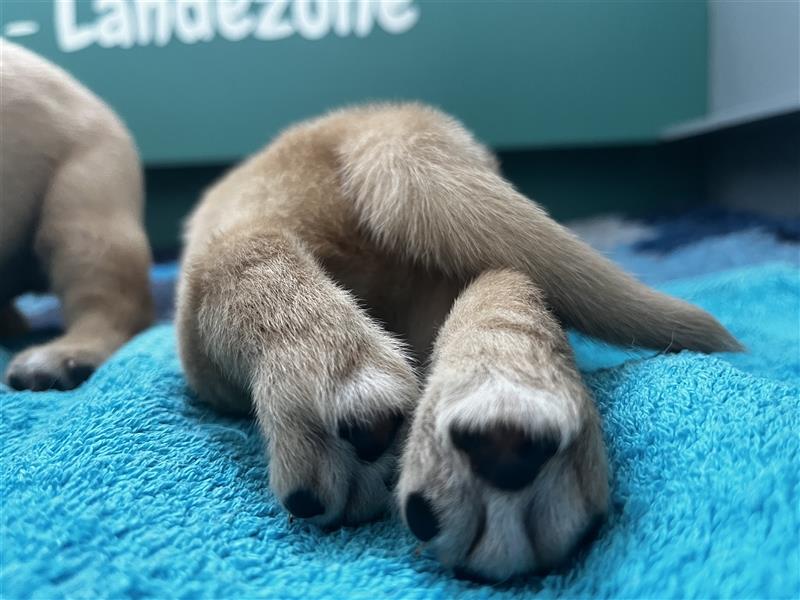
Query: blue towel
[(126, 487)]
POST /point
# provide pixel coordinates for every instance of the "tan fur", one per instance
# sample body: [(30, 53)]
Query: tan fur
[(373, 220), (501, 358), (70, 218)]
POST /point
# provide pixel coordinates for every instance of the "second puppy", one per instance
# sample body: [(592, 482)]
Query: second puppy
[(71, 203)]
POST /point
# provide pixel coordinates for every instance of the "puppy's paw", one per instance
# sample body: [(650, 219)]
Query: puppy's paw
[(333, 452), (52, 366), (502, 479)]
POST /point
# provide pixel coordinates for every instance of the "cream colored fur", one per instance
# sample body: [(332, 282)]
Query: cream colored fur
[(319, 275), (70, 219)]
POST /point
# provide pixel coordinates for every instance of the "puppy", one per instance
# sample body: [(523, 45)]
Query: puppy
[(319, 275), (70, 220)]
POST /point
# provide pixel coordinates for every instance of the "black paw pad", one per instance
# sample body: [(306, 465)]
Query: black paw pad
[(62, 377), (76, 374), (420, 517), (505, 456), (371, 440), (35, 381), (303, 504), (464, 574)]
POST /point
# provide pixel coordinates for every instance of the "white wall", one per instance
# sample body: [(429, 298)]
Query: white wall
[(754, 74), (754, 57)]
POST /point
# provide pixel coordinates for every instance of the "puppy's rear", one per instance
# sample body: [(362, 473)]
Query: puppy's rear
[(396, 212), (71, 202), (425, 189)]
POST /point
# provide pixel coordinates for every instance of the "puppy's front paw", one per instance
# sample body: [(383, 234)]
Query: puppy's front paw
[(52, 366), (333, 451), (502, 479)]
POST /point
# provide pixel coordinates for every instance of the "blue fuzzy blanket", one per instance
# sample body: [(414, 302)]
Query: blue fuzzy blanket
[(126, 488)]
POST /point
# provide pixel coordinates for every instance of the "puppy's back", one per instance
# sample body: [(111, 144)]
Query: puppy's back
[(45, 108), (46, 116)]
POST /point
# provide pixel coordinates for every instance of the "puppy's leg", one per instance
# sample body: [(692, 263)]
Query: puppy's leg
[(259, 318), (504, 470), (91, 246)]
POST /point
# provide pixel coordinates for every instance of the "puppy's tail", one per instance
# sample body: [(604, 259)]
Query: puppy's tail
[(425, 189)]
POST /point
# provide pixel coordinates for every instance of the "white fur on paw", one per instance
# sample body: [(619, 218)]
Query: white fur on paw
[(501, 399), (493, 479)]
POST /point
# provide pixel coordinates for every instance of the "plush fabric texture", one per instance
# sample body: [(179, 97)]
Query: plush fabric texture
[(126, 487)]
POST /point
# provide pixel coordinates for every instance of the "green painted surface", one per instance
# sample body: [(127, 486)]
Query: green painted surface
[(520, 74)]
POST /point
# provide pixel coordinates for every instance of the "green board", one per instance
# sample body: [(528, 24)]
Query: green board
[(207, 81)]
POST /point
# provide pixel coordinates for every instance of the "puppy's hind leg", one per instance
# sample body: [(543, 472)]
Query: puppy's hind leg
[(92, 248), (504, 470), (258, 318)]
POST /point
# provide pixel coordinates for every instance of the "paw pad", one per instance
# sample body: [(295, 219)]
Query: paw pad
[(303, 504), (371, 441), (58, 375), (420, 517), (35, 381), (77, 373), (505, 456)]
